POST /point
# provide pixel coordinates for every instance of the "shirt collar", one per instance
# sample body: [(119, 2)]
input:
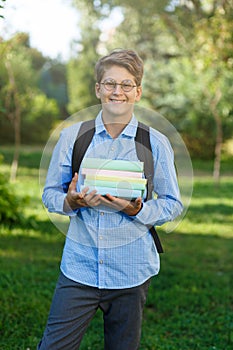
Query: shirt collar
[(130, 130)]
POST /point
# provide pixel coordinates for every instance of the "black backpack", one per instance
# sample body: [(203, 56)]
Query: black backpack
[(144, 153)]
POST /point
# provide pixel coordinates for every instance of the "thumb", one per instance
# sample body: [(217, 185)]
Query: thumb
[(138, 202), (73, 183)]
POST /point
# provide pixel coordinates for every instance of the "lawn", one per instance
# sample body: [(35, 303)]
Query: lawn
[(190, 303)]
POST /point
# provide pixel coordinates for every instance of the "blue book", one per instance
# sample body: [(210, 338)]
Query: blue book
[(116, 192)]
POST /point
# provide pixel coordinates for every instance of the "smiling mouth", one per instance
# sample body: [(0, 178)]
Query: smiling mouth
[(116, 101)]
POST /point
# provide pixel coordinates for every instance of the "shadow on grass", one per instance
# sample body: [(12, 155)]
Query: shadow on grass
[(215, 213), (29, 157), (207, 188)]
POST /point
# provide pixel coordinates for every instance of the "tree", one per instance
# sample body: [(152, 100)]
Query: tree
[(14, 115), (11, 204), (53, 82), (80, 71), (216, 39), (18, 92), (17, 73)]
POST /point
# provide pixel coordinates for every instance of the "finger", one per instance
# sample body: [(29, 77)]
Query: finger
[(84, 192), (93, 199), (73, 183), (90, 194), (110, 197)]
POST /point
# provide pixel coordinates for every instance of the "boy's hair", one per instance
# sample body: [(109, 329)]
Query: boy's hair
[(128, 59)]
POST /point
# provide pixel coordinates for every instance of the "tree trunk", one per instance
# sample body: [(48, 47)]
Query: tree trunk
[(17, 122), (15, 117), (219, 136), (218, 149)]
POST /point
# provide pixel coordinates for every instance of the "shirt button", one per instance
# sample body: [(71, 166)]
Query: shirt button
[(112, 148), (101, 261), (101, 237), (102, 213)]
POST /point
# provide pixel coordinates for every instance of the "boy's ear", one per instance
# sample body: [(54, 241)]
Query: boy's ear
[(97, 90), (139, 93)]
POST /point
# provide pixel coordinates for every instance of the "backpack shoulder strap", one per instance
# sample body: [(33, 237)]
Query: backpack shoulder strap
[(144, 153), (83, 140)]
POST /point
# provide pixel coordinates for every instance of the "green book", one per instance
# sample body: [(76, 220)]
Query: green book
[(116, 184), (110, 164)]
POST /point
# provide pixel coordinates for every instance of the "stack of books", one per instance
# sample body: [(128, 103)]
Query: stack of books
[(120, 178)]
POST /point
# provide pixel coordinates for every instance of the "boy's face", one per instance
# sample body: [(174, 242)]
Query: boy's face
[(115, 101)]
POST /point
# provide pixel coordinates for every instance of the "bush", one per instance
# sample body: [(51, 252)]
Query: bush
[(11, 206)]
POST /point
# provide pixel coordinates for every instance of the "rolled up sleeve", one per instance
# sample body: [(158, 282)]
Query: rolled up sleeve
[(166, 204)]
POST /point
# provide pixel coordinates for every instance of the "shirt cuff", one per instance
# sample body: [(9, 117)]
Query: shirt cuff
[(141, 214), (69, 212)]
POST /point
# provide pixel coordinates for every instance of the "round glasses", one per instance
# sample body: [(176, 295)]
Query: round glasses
[(126, 85)]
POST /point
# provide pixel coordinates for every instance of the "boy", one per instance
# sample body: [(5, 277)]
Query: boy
[(109, 256)]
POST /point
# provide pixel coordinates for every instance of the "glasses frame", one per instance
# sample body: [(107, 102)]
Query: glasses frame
[(125, 87)]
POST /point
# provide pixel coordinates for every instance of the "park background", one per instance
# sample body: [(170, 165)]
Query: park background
[(187, 47)]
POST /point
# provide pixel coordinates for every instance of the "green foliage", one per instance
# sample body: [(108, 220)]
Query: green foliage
[(81, 83), (20, 70), (187, 50), (53, 82), (176, 90), (11, 205), (40, 115), (80, 70)]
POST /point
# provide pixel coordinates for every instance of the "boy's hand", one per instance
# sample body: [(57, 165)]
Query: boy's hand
[(130, 208), (75, 200)]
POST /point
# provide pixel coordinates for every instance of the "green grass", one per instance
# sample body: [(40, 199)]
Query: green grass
[(190, 303)]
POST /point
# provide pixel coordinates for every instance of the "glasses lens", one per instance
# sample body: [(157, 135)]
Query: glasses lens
[(109, 85), (127, 87)]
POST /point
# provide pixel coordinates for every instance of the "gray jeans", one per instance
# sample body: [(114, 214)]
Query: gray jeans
[(74, 305)]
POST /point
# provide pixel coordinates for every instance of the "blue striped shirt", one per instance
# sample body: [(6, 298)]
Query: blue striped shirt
[(105, 248)]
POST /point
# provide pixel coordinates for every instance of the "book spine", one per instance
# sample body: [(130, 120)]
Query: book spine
[(116, 179), (115, 184), (114, 173), (123, 193), (110, 164)]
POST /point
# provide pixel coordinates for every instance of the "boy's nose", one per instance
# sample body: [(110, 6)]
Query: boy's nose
[(118, 89)]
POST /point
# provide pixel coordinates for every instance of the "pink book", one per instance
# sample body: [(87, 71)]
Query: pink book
[(115, 173)]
